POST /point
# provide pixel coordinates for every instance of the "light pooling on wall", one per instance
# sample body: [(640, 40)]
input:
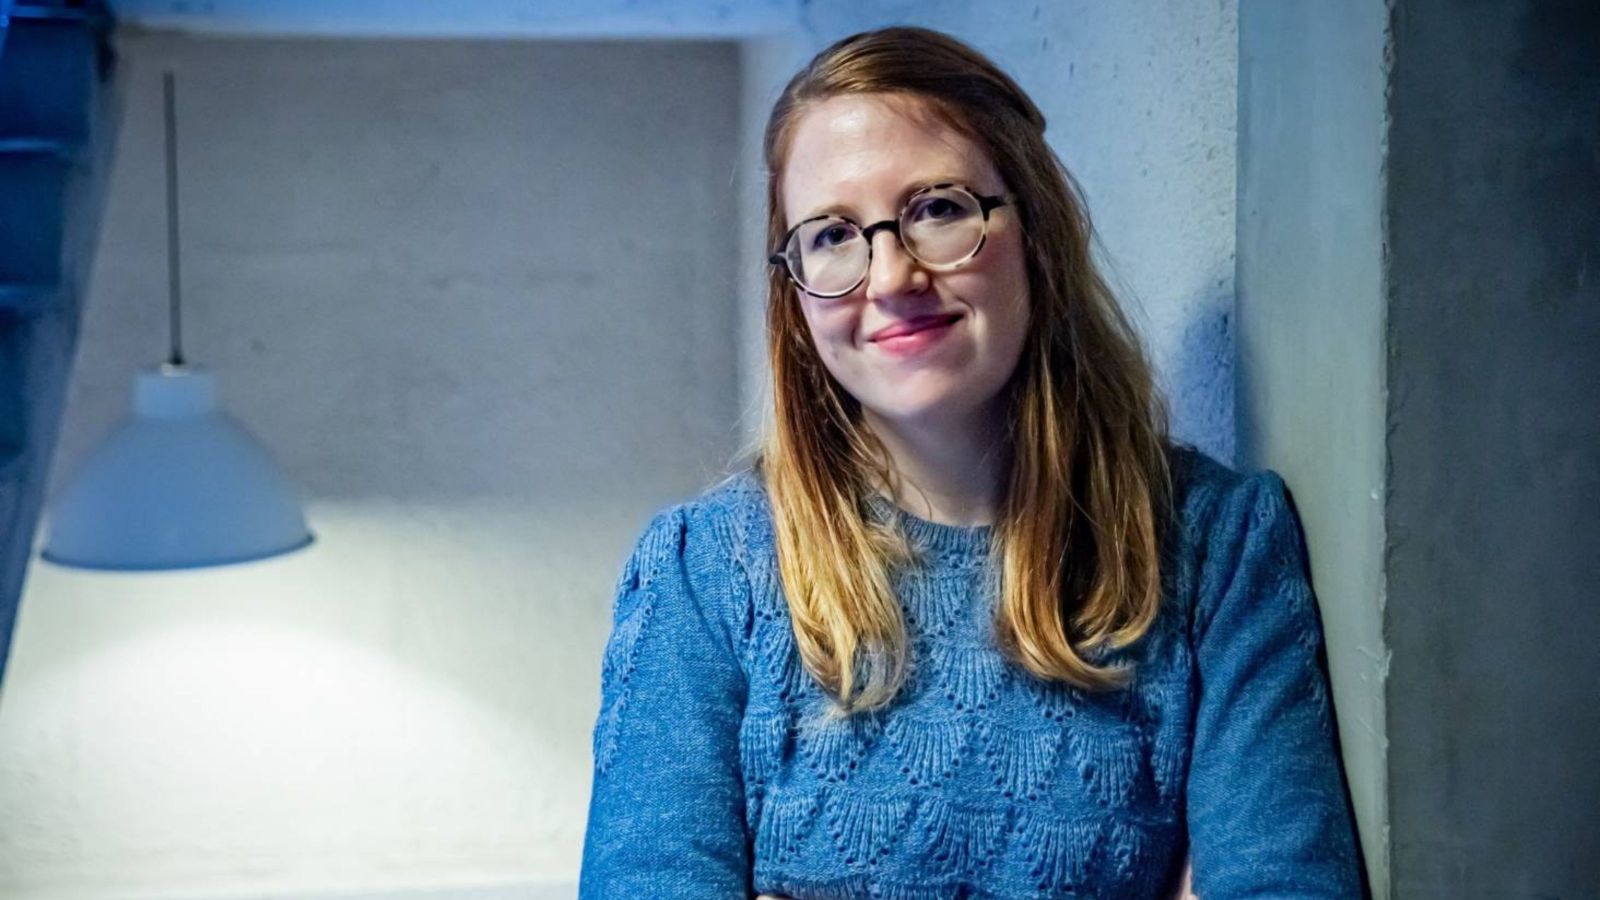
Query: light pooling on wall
[(483, 411)]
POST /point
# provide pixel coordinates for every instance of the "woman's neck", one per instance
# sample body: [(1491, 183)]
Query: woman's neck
[(950, 473)]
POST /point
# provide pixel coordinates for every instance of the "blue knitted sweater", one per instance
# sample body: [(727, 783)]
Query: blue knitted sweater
[(716, 776)]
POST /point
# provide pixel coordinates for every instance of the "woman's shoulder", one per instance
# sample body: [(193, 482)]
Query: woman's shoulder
[(735, 506), (736, 503), (730, 520), (689, 567), (738, 491), (1198, 475), (1205, 489), (1236, 524), (714, 531)]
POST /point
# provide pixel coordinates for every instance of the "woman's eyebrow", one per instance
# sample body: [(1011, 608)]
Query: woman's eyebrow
[(843, 209)]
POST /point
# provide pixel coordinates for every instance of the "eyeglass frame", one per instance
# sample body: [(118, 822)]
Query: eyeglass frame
[(986, 204)]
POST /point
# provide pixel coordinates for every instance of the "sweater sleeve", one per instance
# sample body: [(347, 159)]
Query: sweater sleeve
[(1267, 811), (666, 810)]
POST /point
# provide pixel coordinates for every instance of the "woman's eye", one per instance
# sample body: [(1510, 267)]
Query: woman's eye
[(938, 208), (831, 237)]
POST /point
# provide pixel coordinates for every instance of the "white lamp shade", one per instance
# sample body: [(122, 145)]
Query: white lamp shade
[(179, 484)]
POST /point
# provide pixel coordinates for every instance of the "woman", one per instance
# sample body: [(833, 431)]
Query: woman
[(971, 625)]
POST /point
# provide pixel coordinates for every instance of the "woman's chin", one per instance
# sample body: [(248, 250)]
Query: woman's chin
[(922, 412)]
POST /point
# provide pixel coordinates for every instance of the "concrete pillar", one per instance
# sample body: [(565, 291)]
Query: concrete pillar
[(1418, 327)]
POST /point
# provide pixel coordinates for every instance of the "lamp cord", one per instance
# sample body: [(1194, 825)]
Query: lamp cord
[(174, 290)]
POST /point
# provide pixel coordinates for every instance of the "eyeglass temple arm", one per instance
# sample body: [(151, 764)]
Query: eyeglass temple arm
[(989, 203)]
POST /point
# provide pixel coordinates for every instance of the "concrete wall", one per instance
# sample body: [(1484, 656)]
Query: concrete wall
[(1494, 517), (1312, 127), (1419, 319), (766, 64), (478, 297)]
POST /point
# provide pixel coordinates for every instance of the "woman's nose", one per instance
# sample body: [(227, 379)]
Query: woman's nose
[(893, 271)]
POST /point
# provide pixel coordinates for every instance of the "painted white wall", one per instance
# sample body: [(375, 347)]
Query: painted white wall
[(478, 297), (1313, 263)]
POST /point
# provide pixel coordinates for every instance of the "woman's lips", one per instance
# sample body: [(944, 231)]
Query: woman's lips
[(916, 323), (914, 335)]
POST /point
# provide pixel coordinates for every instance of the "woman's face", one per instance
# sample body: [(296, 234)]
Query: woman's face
[(860, 157)]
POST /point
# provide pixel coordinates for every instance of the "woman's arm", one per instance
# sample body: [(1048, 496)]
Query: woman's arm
[(666, 812), (1267, 811)]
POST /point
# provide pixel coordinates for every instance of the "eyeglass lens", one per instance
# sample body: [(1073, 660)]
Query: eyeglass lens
[(940, 227)]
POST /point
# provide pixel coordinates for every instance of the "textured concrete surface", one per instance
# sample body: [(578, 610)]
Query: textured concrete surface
[(1494, 516), (477, 297), (1419, 322), (1312, 126)]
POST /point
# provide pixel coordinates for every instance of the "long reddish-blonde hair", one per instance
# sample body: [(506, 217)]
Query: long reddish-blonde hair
[(1079, 530)]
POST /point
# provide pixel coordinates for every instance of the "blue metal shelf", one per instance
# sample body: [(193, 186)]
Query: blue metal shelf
[(25, 299), (39, 146), (56, 12)]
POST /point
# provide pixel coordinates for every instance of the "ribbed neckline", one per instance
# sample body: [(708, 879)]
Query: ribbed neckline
[(965, 541)]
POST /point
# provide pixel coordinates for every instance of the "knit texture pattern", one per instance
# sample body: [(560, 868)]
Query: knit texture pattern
[(718, 775)]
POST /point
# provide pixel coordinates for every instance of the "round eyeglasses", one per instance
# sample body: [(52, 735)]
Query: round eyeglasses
[(942, 226)]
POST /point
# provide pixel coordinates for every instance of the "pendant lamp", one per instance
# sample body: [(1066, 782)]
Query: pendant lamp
[(179, 484)]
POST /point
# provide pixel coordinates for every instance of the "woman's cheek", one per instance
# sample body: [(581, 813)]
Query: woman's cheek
[(834, 332)]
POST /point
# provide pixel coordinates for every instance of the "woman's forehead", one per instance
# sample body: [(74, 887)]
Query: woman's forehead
[(870, 149)]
